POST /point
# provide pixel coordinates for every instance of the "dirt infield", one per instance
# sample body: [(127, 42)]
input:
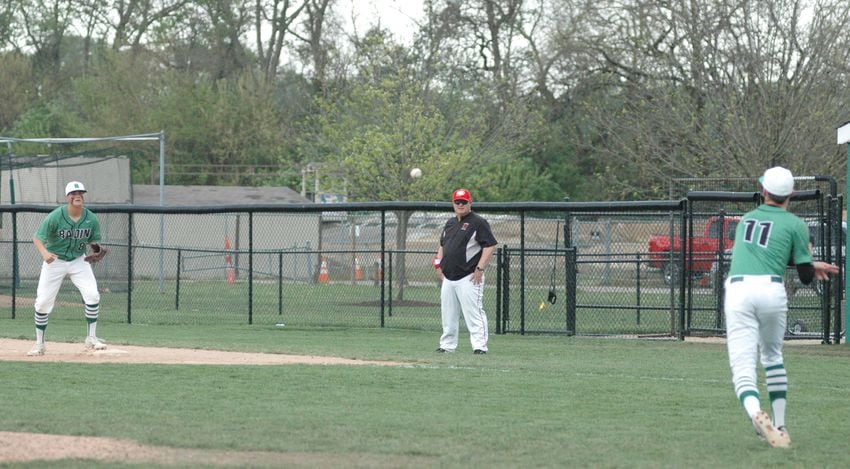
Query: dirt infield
[(29, 447), (16, 350)]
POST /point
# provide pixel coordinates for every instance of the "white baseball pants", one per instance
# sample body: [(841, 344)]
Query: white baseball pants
[(463, 296), (756, 309), (51, 279)]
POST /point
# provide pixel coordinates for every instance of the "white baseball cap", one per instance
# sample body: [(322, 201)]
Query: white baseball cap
[(74, 186), (778, 181)]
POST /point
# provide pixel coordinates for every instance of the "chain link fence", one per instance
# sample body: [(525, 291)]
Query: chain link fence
[(562, 267)]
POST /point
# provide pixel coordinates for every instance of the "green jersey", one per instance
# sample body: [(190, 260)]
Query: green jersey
[(767, 240), (65, 238)]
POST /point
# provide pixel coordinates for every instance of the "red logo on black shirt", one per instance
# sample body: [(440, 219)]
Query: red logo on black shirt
[(464, 227)]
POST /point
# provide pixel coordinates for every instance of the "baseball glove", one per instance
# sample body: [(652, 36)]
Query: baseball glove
[(98, 253)]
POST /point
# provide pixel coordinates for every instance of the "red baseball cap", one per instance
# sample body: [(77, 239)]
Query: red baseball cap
[(461, 194)]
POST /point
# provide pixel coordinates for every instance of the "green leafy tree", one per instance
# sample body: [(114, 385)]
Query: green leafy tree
[(381, 130), (18, 92), (47, 119), (209, 125)]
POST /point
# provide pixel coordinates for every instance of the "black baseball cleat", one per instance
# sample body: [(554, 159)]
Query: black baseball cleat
[(479, 352), (442, 350)]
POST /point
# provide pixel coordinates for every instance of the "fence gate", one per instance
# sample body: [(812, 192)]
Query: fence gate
[(543, 299)]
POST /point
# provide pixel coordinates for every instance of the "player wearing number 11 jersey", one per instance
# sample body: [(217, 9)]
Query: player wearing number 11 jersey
[(767, 240)]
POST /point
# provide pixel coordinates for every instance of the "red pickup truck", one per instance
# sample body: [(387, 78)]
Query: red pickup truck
[(705, 248)]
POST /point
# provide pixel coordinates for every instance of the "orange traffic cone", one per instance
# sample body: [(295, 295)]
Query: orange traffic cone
[(358, 274), (324, 277), (228, 265)]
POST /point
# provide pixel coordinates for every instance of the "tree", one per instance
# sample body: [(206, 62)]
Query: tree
[(7, 20), (45, 25), (277, 18), (708, 87), (317, 47), (209, 41), (386, 124), (18, 92), (133, 20), (208, 124)]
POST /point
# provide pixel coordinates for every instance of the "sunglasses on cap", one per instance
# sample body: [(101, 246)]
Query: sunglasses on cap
[(461, 202)]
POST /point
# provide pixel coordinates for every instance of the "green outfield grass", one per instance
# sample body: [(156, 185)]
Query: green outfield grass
[(601, 310), (534, 401), (348, 305)]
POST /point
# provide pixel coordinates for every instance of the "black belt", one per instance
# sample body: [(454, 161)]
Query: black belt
[(740, 278)]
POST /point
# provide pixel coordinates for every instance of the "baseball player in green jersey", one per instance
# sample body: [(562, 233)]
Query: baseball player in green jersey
[(62, 240), (767, 240)]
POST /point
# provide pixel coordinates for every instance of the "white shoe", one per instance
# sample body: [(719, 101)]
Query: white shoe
[(774, 438), (93, 343), (37, 350)]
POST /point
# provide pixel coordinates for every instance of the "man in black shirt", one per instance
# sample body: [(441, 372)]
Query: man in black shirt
[(466, 246)]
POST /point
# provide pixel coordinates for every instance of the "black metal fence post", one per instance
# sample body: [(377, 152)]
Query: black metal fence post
[(383, 265), (130, 268), (506, 289), (571, 273), (250, 267), (522, 273), (280, 283), (177, 280), (499, 268), (15, 277)]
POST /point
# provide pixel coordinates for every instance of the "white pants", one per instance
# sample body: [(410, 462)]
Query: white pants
[(51, 279), (463, 296), (756, 310)]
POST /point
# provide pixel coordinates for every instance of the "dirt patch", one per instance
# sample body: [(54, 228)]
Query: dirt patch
[(28, 447), (16, 350), (722, 340)]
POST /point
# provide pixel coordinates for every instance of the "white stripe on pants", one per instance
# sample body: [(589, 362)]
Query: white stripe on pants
[(463, 296)]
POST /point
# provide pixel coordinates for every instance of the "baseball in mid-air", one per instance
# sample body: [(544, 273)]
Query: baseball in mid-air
[(415, 173)]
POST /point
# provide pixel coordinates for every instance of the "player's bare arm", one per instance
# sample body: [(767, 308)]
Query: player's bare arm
[(46, 255)]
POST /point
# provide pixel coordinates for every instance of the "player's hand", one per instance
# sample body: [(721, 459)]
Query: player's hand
[(50, 257), (822, 270), (477, 276)]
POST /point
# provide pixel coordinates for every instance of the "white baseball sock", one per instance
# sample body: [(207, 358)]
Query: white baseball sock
[(751, 405), (777, 389), (778, 406)]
